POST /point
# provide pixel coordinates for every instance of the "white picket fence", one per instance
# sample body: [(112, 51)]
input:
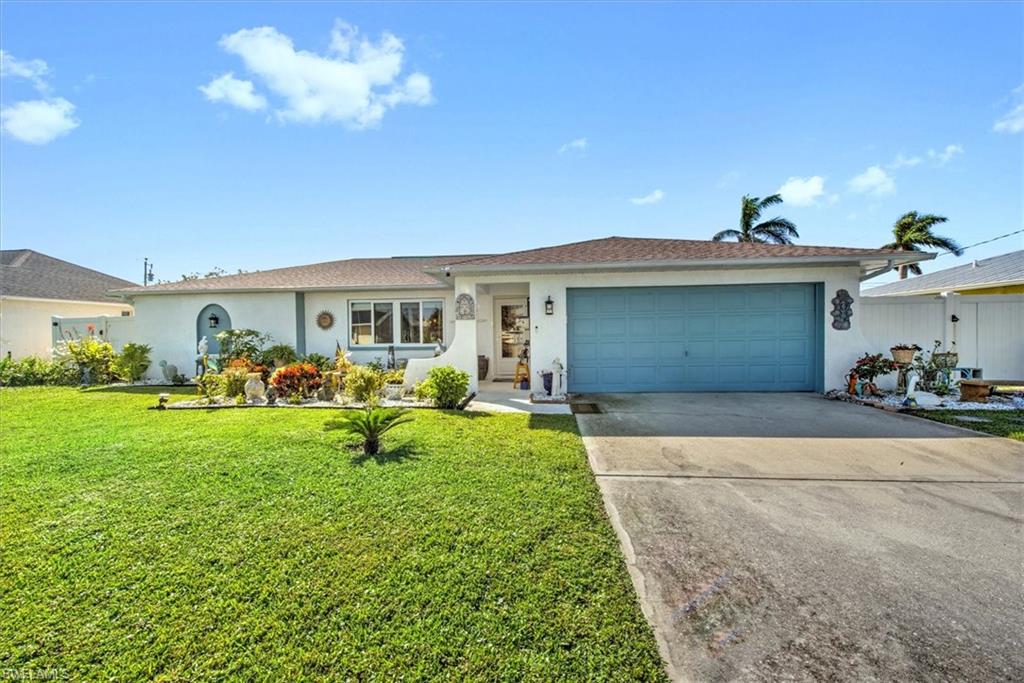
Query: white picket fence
[(988, 331)]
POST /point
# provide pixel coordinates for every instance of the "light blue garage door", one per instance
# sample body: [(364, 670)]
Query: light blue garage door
[(736, 338)]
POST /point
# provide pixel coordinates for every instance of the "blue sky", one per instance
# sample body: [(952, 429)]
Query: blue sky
[(457, 134)]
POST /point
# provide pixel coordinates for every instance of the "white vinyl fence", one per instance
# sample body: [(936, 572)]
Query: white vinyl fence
[(988, 330)]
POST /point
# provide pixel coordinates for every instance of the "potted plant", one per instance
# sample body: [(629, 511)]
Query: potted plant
[(394, 383), (280, 355), (903, 354), (945, 360), (867, 369)]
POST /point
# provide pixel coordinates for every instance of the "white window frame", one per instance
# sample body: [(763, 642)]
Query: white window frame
[(396, 321)]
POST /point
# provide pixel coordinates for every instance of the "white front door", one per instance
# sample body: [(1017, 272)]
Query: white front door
[(511, 333)]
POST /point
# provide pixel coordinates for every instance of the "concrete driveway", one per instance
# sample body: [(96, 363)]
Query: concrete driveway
[(785, 536)]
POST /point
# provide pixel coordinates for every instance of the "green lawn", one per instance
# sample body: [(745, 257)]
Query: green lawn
[(1009, 423), (256, 544)]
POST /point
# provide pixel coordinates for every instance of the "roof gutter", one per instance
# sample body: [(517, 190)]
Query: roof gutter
[(153, 291), (891, 262)]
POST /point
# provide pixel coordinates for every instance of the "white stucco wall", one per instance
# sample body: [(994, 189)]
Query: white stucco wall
[(324, 341), (167, 322), (548, 338), (25, 324)]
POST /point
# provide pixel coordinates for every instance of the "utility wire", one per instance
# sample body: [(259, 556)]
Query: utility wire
[(976, 244)]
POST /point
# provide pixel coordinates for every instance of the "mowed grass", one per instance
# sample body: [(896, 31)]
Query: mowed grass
[(1008, 423), (256, 544)]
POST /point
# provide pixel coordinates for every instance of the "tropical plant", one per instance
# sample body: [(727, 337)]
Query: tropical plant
[(209, 385), (371, 423), (32, 370), (234, 380), (322, 362), (445, 385), (297, 379), (87, 355), (774, 230), (246, 344), (280, 354), (395, 376), (363, 383), (912, 231), (133, 361)]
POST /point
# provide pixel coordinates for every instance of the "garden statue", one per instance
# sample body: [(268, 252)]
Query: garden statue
[(169, 371), (914, 398), (255, 390), (557, 373), (204, 346)]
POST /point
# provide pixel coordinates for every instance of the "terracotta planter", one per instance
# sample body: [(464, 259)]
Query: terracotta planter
[(903, 356)]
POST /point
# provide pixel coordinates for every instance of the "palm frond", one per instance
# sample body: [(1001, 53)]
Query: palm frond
[(725, 235), (770, 200)]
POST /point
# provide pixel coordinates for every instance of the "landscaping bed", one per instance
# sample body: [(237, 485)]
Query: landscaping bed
[(262, 545)]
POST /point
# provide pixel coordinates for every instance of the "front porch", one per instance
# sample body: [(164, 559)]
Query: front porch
[(506, 397), (505, 320)]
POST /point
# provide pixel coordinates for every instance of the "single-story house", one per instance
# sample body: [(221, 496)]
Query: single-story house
[(35, 287), (998, 275), (621, 314)]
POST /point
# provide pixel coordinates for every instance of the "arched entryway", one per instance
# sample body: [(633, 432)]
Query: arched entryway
[(211, 321)]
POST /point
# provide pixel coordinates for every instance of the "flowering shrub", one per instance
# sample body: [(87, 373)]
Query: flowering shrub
[(298, 379), (89, 354), (251, 366), (871, 366)]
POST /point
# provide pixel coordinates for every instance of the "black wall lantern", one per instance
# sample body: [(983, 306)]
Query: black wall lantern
[(549, 306), (214, 320)]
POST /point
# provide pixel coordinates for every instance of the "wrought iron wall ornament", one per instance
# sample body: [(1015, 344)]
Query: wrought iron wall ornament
[(465, 307), (842, 310), (325, 320)]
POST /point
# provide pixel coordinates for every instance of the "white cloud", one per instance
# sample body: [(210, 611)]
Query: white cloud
[(802, 191), (946, 155), (34, 70), (39, 121), (234, 91), (356, 83), (874, 181), (577, 145), (904, 162), (652, 198), (1013, 120)]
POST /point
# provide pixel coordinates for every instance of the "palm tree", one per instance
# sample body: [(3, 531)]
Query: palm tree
[(913, 231), (777, 230)]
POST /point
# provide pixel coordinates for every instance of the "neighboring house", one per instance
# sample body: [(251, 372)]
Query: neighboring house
[(976, 309), (1003, 274), (35, 287), (622, 314)]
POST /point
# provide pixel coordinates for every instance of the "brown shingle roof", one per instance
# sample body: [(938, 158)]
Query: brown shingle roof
[(369, 273), (28, 273), (639, 250)]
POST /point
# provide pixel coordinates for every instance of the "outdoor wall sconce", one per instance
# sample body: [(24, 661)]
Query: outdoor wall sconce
[(549, 306), (214, 320)]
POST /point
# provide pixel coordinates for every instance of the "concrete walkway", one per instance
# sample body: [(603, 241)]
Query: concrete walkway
[(786, 536), (503, 397)]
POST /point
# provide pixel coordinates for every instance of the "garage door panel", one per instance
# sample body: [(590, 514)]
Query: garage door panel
[(714, 338), (643, 351), (672, 326), (732, 350), (612, 351), (698, 326), (643, 327), (732, 325)]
